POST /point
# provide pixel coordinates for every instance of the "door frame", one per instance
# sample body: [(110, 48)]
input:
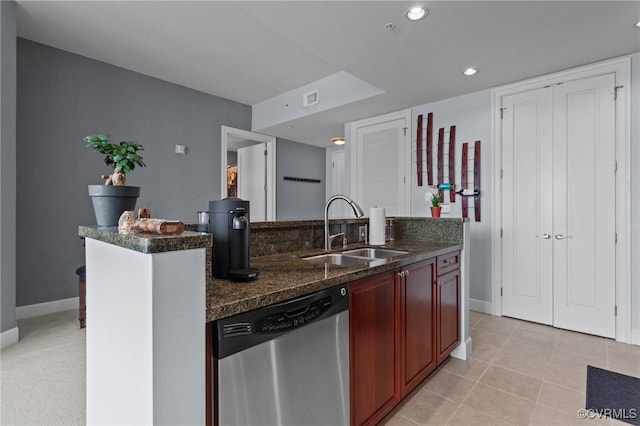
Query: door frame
[(270, 143), (337, 209), (622, 68), (405, 191)]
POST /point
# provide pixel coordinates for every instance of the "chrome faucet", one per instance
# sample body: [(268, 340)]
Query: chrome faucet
[(356, 210)]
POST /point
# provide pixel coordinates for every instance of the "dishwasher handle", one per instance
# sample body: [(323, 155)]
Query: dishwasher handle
[(297, 312)]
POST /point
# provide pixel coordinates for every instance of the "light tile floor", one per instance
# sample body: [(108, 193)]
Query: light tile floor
[(519, 373)]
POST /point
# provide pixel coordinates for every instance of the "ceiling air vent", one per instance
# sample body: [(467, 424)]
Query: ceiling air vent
[(310, 98)]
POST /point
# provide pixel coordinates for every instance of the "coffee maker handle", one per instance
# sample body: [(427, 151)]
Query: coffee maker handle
[(240, 222)]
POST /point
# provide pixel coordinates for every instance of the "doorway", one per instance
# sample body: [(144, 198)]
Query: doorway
[(248, 170), (562, 201), (380, 163)]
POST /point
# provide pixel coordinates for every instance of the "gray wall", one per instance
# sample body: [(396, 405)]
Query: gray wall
[(7, 165), (299, 200), (61, 98)]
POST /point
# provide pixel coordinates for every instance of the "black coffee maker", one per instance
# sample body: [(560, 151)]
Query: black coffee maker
[(229, 224)]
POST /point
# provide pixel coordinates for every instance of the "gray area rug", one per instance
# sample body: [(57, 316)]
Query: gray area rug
[(613, 395)]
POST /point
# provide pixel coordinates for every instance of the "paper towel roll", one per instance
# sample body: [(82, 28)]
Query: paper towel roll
[(377, 223)]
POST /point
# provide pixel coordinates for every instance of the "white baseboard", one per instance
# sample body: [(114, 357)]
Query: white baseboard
[(463, 350), (9, 337), (38, 309), (481, 306)]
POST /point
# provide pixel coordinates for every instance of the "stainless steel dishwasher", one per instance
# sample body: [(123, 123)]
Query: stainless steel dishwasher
[(286, 364)]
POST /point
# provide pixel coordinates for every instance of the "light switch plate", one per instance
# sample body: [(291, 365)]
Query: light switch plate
[(446, 208)]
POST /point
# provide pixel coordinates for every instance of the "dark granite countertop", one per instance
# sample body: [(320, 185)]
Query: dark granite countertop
[(285, 276), (282, 276), (146, 242)]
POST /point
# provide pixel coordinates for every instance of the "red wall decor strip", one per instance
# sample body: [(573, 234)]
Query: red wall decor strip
[(441, 161), (463, 178), (476, 179), (419, 150), (430, 149), (452, 167)]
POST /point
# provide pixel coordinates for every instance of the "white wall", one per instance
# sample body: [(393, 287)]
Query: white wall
[(635, 197), (471, 114)]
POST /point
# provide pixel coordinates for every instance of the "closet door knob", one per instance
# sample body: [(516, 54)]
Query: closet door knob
[(562, 237), (546, 236)]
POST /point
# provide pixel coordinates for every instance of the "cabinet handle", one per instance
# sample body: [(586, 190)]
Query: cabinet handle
[(407, 273), (546, 236)]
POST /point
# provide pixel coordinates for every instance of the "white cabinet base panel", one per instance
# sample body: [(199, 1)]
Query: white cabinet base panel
[(146, 336)]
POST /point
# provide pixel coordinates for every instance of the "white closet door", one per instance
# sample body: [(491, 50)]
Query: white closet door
[(558, 187), (251, 180), (584, 205), (527, 199), (381, 165)]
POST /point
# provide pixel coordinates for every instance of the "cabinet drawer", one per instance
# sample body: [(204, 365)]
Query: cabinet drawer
[(448, 262)]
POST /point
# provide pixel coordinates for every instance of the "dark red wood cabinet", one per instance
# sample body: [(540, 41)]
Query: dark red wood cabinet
[(417, 348), (447, 305), (402, 325), (373, 343)]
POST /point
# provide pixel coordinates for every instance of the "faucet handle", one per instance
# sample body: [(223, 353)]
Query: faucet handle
[(334, 236)]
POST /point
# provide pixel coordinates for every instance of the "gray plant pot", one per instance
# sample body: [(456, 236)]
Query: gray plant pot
[(110, 201)]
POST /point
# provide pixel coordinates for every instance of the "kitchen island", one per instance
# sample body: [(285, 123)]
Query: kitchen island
[(148, 316), (146, 321)]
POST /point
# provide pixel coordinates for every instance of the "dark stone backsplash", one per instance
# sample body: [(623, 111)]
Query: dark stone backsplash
[(268, 238)]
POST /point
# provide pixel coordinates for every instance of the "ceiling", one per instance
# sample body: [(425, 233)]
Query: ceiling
[(252, 51)]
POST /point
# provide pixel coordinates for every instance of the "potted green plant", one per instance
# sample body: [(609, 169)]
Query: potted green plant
[(114, 197), (435, 205)]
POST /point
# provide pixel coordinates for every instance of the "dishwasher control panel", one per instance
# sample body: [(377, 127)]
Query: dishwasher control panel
[(242, 331), (286, 320)]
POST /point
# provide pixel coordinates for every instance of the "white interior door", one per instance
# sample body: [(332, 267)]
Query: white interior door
[(252, 172), (558, 206), (380, 160), (232, 140), (584, 205), (527, 201)]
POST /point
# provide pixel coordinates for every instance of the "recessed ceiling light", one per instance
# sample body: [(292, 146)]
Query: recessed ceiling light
[(638, 24), (416, 13), (337, 141), (470, 71)]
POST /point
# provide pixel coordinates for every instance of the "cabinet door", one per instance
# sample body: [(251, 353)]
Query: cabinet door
[(417, 323), (373, 338), (447, 313)]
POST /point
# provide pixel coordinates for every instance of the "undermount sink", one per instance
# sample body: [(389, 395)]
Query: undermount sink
[(372, 256), (376, 253), (339, 259)]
